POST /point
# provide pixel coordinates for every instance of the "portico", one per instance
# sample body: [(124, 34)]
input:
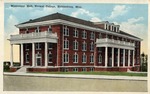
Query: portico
[(35, 39), (120, 47)]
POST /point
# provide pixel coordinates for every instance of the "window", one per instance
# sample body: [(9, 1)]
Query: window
[(92, 58), (83, 69), (99, 58), (37, 30), (91, 69), (27, 47), (75, 58), (75, 45), (49, 29), (50, 45), (38, 46), (84, 58), (75, 69), (27, 58), (100, 36), (92, 35), (84, 46), (91, 46), (50, 57), (65, 69), (75, 33), (66, 44), (66, 57), (84, 35), (66, 31)]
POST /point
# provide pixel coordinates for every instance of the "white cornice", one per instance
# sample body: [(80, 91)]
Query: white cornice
[(64, 22)]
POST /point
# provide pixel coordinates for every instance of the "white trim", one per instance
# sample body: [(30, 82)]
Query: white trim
[(75, 44), (11, 55), (33, 54), (66, 44), (59, 21), (46, 59), (91, 58), (22, 55), (76, 58), (66, 57)]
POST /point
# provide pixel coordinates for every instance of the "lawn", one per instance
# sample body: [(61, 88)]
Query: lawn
[(99, 73)]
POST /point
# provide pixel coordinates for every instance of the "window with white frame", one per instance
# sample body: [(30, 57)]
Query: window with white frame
[(66, 31), (84, 46), (66, 44), (50, 46), (99, 58), (84, 34), (37, 30), (92, 35), (49, 29), (91, 46), (38, 46), (83, 69), (75, 58), (66, 57), (75, 33), (92, 58), (75, 45), (84, 58), (91, 69), (27, 57), (75, 69), (50, 57)]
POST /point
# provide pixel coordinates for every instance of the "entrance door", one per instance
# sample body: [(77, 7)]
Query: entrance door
[(38, 59)]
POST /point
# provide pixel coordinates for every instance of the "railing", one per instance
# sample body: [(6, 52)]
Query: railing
[(34, 35), (112, 41)]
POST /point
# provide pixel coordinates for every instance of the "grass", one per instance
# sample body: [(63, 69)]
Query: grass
[(99, 73)]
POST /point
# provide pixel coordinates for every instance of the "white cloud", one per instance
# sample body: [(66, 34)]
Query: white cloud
[(43, 12), (118, 11), (83, 12), (134, 27), (95, 19), (10, 28)]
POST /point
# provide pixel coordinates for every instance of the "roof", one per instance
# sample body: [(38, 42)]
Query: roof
[(69, 18), (60, 16)]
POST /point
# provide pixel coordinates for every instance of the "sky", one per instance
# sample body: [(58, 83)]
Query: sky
[(132, 18)]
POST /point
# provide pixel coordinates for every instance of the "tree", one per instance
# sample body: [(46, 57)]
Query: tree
[(144, 62)]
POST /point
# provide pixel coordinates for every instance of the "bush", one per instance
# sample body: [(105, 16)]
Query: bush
[(6, 66), (144, 67)]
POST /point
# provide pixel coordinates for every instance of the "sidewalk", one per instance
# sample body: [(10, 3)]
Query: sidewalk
[(78, 76)]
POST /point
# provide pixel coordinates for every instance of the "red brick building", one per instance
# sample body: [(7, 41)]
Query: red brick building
[(58, 42)]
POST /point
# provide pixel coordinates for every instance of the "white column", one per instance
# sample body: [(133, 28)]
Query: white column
[(128, 58), (33, 54), (112, 57), (118, 57), (11, 56), (106, 56), (123, 57), (22, 55), (46, 54), (133, 58)]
